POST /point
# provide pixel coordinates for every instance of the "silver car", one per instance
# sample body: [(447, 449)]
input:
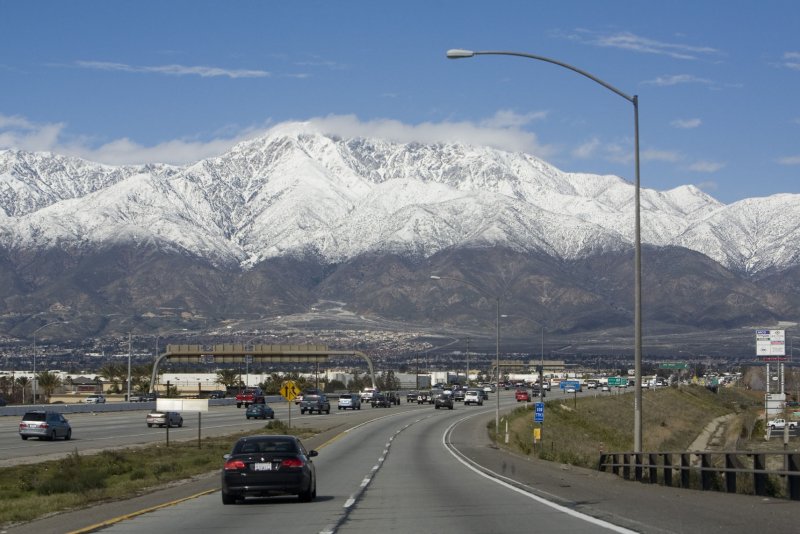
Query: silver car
[(164, 419), (349, 400), (44, 425)]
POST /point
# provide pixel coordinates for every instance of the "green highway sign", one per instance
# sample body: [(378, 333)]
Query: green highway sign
[(617, 381), (673, 365)]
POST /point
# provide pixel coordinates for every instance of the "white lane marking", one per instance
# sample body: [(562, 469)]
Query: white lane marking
[(350, 503), (497, 479)]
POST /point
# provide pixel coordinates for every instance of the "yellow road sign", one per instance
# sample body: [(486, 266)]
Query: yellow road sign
[(289, 390)]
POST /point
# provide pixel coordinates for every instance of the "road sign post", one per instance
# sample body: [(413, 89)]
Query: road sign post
[(538, 417), (289, 391)]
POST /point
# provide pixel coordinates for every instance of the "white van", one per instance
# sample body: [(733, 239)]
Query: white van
[(367, 393)]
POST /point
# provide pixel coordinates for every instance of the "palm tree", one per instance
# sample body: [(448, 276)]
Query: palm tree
[(140, 377), (5, 386), (114, 373), (228, 377), (23, 382), (48, 382)]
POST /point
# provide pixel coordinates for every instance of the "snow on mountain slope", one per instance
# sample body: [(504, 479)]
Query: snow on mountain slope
[(751, 235), (31, 181), (297, 190)]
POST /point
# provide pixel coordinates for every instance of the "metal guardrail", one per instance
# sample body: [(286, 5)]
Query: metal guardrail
[(712, 471)]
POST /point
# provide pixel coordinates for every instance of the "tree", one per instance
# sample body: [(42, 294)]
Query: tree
[(48, 382), (23, 382), (140, 378), (272, 384), (334, 385), (229, 377), (114, 374), (6, 385)]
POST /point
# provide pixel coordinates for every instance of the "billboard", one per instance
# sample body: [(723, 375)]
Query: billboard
[(770, 343)]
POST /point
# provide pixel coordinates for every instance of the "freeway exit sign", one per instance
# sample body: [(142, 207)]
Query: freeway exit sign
[(617, 381), (673, 365)]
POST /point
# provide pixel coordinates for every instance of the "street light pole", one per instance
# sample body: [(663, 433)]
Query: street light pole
[(497, 345), (35, 382), (497, 379), (130, 353), (637, 407)]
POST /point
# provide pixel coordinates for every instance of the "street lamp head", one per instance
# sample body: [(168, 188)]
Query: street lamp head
[(434, 277), (457, 53)]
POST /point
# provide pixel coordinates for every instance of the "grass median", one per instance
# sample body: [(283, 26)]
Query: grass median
[(34, 490)]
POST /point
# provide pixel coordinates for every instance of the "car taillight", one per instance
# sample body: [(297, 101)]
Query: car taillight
[(234, 465), (292, 462)]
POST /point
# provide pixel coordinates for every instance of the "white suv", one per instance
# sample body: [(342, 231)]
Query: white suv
[(95, 399), (473, 396)]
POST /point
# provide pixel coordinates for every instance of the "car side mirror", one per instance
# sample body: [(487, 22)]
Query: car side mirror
[(312, 453), (226, 456)]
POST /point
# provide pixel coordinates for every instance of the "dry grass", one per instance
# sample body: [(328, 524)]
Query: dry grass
[(577, 431)]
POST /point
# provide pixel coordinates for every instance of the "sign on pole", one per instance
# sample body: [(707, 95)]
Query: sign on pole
[(289, 390), (538, 412), (770, 342)]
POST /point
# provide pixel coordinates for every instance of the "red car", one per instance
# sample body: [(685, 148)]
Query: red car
[(522, 395)]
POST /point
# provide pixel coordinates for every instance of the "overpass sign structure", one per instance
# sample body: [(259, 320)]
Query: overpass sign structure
[(239, 353)]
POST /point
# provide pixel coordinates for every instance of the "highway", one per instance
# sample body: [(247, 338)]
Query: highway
[(412, 468), (399, 471)]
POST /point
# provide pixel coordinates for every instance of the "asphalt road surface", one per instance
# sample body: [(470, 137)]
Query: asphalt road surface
[(396, 472), (416, 469)]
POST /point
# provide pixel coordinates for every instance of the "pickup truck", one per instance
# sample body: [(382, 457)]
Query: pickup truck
[(250, 396), (780, 424)]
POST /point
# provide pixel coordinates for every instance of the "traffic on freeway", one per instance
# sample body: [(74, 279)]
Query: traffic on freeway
[(410, 468)]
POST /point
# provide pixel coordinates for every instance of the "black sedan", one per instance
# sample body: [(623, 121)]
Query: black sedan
[(261, 466)]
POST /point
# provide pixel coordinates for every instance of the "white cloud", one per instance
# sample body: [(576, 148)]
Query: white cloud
[(174, 70), (636, 43), (660, 155), (506, 118), (676, 79), (587, 149), (706, 166), (791, 60), (790, 160), (20, 133), (709, 186), (686, 124), (503, 131)]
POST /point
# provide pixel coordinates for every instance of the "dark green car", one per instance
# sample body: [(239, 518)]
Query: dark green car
[(260, 411)]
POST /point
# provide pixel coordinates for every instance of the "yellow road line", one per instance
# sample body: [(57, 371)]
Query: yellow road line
[(114, 520)]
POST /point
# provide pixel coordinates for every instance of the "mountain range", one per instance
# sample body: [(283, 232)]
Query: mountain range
[(297, 216)]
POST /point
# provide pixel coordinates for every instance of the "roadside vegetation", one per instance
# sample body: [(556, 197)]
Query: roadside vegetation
[(577, 430), (32, 490)]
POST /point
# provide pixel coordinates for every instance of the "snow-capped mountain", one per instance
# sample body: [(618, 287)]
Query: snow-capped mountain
[(298, 191)]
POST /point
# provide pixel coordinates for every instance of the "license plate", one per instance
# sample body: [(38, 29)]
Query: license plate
[(262, 466)]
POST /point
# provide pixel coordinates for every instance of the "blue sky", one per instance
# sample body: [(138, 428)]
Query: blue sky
[(135, 82)]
